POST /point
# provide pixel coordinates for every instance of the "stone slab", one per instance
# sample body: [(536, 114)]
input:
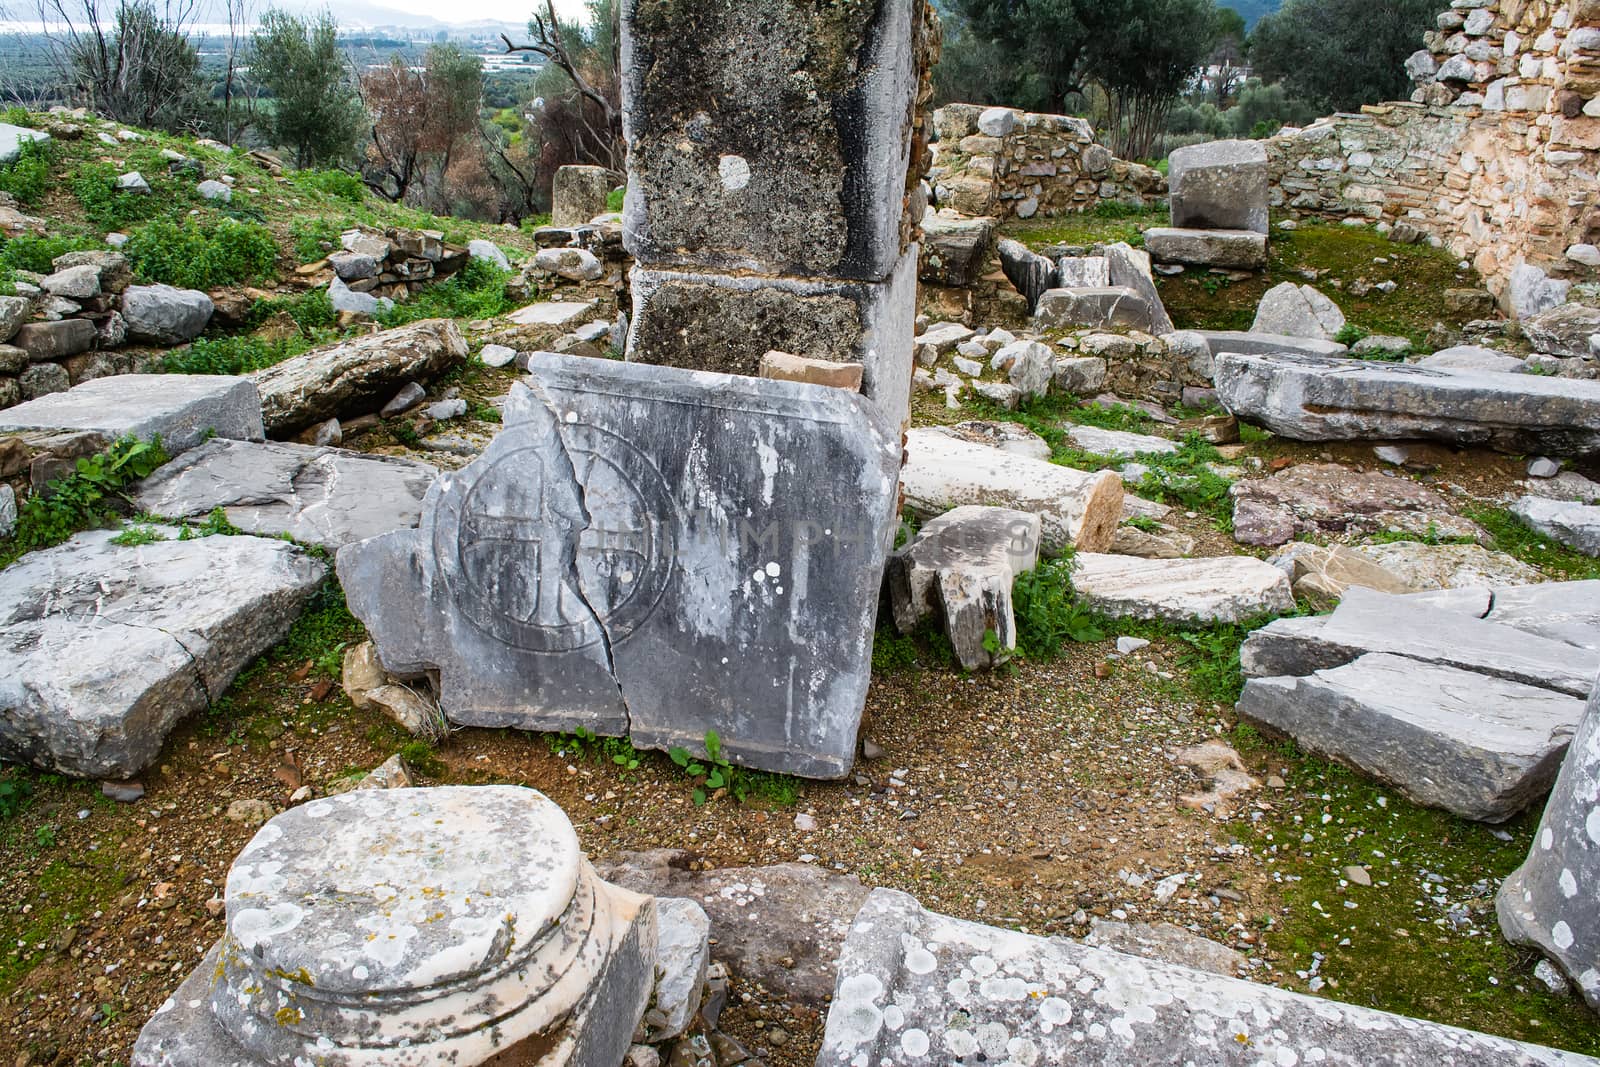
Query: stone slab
[(552, 313), (1371, 622), (1228, 249), (1210, 589), (1552, 901), (334, 952), (1575, 525), (1561, 611), (355, 377), (1298, 311), (105, 648), (1220, 185), (1307, 398), (725, 323), (1255, 343), (1130, 269), (1119, 443), (650, 552), (1097, 308), (1077, 508), (769, 136), (1473, 358), (1482, 748), (917, 988), (183, 408), (318, 496), (959, 570)]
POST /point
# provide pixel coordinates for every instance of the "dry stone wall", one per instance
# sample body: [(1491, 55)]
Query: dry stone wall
[(1496, 155), (1012, 164)]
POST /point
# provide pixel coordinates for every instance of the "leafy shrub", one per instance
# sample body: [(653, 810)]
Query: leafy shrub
[(313, 238), (615, 199), (230, 355), (311, 310), (29, 177), (82, 499), (336, 183), (477, 291), (38, 253), (1048, 613), (17, 116), (192, 256), (105, 206)]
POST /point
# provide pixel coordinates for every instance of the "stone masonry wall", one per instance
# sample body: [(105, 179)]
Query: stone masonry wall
[(1496, 155), (1012, 164)]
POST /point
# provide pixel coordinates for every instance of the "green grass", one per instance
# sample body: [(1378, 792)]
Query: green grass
[(323, 632), (37, 254), (1398, 950), (1553, 560), (476, 291), (339, 184), (1105, 224), (314, 238), (28, 178)]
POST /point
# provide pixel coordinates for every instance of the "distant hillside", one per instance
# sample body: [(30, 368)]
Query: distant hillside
[(1252, 10)]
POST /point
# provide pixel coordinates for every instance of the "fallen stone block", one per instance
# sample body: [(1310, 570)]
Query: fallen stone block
[(1097, 308), (1291, 310), (959, 570), (1550, 901), (954, 251), (769, 137), (106, 647), (1077, 509), (1029, 273), (355, 377), (1327, 498), (683, 955), (1209, 589), (1477, 746), (1227, 249), (579, 194), (1448, 566), (184, 409), (1083, 272), (627, 539), (318, 496), (1566, 330), (1575, 525), (779, 926), (1256, 343), (1117, 443), (49, 341), (333, 952), (1561, 611), (1130, 269), (1310, 399), (917, 987), (164, 315), (725, 324), (1473, 358), (1006, 436), (1220, 185), (1318, 571), (785, 367), (1368, 622)]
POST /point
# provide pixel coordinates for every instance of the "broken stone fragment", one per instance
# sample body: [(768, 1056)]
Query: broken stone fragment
[(1225, 772), (1298, 311), (959, 570), (785, 367), (540, 960), (1211, 589)]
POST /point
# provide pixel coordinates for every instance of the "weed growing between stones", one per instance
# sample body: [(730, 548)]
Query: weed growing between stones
[(195, 256), (476, 291), (1048, 613), (28, 178), (1556, 562), (322, 633), (712, 776), (89, 497)]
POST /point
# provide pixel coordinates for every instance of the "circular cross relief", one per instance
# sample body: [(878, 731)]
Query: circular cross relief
[(541, 560)]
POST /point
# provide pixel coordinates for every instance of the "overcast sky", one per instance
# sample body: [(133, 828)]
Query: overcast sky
[(517, 11)]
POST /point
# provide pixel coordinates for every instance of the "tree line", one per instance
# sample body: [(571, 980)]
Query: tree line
[(1152, 74)]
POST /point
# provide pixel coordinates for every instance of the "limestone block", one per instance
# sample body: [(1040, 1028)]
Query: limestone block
[(1230, 249), (915, 987), (786, 367), (319, 496), (954, 251), (1221, 185), (107, 647), (1255, 342), (1473, 358), (357, 376), (1094, 308), (1298, 311), (1130, 269), (1213, 589), (1575, 525), (48, 341), (579, 194), (1307, 398), (164, 315), (768, 136), (333, 950), (623, 544), (959, 570), (184, 409), (1550, 901), (1076, 508), (726, 323)]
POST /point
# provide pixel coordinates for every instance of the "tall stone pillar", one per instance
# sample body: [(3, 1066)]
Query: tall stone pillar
[(774, 152)]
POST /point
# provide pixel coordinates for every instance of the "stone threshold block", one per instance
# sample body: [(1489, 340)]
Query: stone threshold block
[(318, 496), (1077, 509), (727, 323), (1253, 343), (411, 927), (918, 988), (653, 553), (1209, 589), (1366, 621), (1552, 901), (1094, 308), (959, 570), (105, 648), (1306, 398), (355, 377), (1479, 747), (769, 136), (184, 409), (1229, 249)]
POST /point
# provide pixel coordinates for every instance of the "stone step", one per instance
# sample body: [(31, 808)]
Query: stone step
[(1206, 590), (184, 409), (1228, 249)]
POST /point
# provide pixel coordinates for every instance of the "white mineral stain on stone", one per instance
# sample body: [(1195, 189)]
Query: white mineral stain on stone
[(1004, 989), (1053, 1012), (1561, 935), (768, 458), (1547, 836), (1592, 824), (773, 570), (992, 1038), (983, 966), (893, 1017), (1569, 884), (959, 1043), (914, 1042), (920, 961), (859, 1018), (1022, 1051), (254, 926), (958, 988), (734, 171)]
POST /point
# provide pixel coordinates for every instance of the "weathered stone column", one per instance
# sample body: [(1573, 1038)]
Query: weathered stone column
[(1553, 900), (773, 150), (456, 925)]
